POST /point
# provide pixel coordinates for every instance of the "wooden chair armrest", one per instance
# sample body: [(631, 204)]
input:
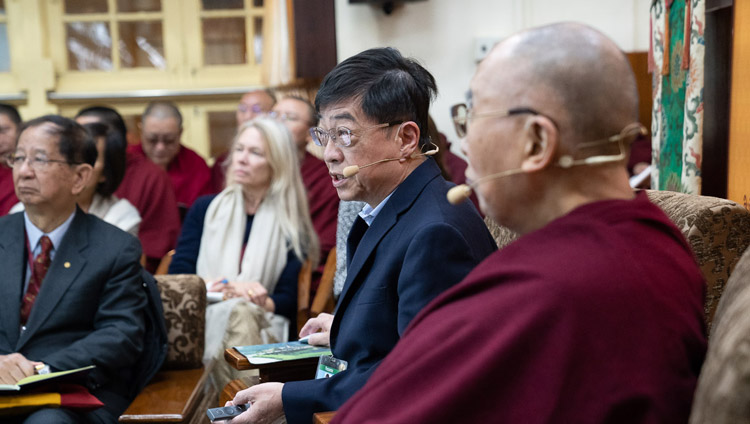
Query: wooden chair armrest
[(282, 372), (304, 281), (164, 263), (323, 301), (323, 417), (234, 386), (172, 396)]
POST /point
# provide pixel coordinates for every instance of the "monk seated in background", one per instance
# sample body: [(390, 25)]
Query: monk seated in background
[(147, 187), (299, 115), (161, 130), (595, 315), (10, 120)]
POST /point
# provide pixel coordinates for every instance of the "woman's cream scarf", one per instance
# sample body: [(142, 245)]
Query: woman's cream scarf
[(221, 242), (235, 322)]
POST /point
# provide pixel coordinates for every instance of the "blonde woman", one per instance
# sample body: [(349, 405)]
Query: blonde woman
[(248, 242)]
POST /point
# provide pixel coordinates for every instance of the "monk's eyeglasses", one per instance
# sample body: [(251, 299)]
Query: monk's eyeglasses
[(462, 114)]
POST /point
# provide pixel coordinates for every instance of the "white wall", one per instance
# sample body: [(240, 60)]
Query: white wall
[(442, 33)]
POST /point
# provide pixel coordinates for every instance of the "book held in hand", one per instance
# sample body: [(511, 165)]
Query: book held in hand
[(77, 375), (275, 352)]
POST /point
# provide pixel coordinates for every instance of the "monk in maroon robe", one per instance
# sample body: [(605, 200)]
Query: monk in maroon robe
[(10, 120), (145, 186), (595, 315), (150, 190), (299, 115), (7, 192), (160, 142)]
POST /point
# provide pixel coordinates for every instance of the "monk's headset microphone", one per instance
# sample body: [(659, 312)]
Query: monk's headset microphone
[(462, 192), (353, 170)]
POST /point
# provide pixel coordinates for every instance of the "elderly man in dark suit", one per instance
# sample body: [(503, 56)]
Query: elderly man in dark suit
[(407, 246), (71, 291)]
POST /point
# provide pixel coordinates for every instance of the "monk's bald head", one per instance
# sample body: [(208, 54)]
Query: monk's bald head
[(571, 72), (162, 110)]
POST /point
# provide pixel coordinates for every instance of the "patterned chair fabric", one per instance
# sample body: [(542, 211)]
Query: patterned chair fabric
[(184, 301), (718, 231), (723, 392)]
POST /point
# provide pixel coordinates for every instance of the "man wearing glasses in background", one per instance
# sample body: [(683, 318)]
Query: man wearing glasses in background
[(161, 136), (407, 246), (71, 292), (253, 103), (595, 314), (299, 115)]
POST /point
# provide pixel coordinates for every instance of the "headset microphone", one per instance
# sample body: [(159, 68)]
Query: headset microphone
[(462, 192), (353, 170)]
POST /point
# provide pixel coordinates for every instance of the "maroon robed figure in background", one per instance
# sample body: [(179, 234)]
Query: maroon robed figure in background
[(190, 176), (149, 189), (324, 206), (298, 115), (161, 132), (9, 123), (7, 192)]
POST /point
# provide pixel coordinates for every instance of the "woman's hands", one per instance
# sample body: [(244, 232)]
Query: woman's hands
[(251, 291)]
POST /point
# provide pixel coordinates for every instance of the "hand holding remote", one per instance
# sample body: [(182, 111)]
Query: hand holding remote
[(226, 412)]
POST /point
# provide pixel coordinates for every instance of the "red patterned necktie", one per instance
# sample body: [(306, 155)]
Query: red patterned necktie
[(39, 268)]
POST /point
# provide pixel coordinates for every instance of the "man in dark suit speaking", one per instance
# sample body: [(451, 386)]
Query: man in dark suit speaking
[(71, 292), (407, 246)]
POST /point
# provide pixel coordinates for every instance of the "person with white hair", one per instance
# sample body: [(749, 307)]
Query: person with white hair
[(249, 241)]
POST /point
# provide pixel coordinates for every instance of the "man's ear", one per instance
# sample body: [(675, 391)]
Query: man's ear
[(541, 141), (407, 138), (81, 174)]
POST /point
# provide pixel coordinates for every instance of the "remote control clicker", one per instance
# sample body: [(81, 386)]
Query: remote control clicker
[(226, 412)]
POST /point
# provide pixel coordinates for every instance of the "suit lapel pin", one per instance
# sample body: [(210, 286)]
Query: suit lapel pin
[(66, 264)]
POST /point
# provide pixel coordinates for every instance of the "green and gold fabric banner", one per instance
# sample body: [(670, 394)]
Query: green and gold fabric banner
[(676, 64)]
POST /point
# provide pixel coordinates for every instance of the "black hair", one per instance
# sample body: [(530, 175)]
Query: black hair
[(73, 141), (114, 156), (389, 86), (11, 112), (163, 109), (107, 115), (312, 117)]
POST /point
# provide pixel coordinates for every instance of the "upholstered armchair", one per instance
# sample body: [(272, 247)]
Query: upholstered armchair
[(718, 231), (723, 392), (182, 391)]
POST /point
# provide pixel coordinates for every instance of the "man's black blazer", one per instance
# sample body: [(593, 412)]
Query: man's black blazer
[(90, 309), (418, 246)]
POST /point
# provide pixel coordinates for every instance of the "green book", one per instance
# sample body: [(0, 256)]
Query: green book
[(71, 376), (275, 352)]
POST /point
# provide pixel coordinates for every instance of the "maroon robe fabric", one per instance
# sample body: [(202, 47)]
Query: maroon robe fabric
[(324, 207), (149, 189), (7, 191), (457, 168), (595, 318), (218, 175), (640, 151), (189, 173)]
